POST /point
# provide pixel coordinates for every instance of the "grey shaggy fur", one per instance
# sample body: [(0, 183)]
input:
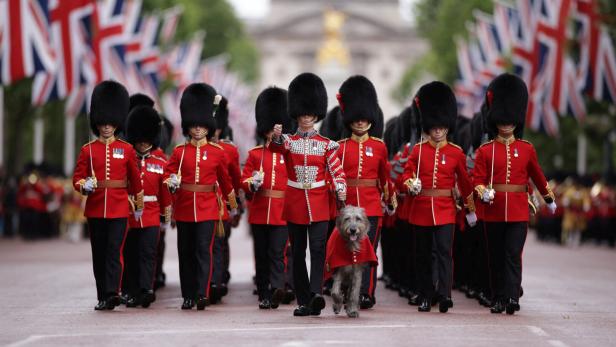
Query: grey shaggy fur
[(353, 226)]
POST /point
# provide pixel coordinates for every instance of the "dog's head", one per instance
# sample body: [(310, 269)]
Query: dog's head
[(352, 223)]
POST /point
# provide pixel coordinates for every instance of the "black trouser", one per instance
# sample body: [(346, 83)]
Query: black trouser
[(270, 245), (160, 254), (288, 264), (506, 242), (443, 240), (140, 258), (221, 255), (480, 262), (368, 280), (107, 236), (299, 233), (195, 242), (462, 256), (386, 245)]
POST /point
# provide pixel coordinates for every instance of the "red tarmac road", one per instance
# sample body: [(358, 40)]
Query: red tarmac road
[(47, 295)]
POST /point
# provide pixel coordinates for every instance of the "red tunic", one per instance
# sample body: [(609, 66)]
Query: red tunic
[(157, 199), (365, 159), (339, 255), (32, 196), (440, 168), (158, 152), (263, 208), (113, 159), (514, 163), (405, 200), (233, 160), (308, 160), (203, 163)]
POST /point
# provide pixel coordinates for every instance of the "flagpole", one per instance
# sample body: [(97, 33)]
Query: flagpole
[(39, 136), (2, 125), (69, 144)]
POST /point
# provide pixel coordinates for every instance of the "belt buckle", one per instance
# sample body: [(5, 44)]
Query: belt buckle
[(306, 185)]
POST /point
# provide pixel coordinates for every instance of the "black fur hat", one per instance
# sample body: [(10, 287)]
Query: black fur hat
[(271, 109), (166, 133), (437, 107), (140, 99), (358, 100), (143, 125), (332, 126), (307, 96), (109, 105), (505, 103), (222, 114), (378, 126), (197, 108)]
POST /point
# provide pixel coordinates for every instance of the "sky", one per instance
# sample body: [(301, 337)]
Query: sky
[(257, 9)]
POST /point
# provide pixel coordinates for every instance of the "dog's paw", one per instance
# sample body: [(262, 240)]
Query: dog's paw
[(353, 314), (336, 308), (337, 298)]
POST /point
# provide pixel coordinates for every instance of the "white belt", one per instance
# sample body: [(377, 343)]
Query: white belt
[(150, 198), (300, 185)]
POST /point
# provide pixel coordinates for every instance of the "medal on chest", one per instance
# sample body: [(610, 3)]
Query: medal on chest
[(118, 153), (281, 160), (155, 168), (369, 152), (515, 153), (443, 162), (204, 157)]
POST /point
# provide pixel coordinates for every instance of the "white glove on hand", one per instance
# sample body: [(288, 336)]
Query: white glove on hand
[(415, 187), (341, 190), (233, 212), (552, 207), (165, 226), (471, 218), (138, 214), (88, 186), (257, 180), (174, 183), (488, 195)]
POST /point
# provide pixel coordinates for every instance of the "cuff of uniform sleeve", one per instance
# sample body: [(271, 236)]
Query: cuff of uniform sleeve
[(470, 203), (232, 199)]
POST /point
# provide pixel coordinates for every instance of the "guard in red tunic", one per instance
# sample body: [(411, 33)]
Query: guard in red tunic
[(503, 167), (364, 159), (194, 172), (434, 168), (106, 172), (309, 158), (265, 178), (221, 274), (143, 131)]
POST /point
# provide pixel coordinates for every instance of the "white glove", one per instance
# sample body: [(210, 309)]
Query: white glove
[(88, 186), (257, 180), (415, 187), (552, 207), (165, 226), (233, 212), (341, 190), (471, 218), (488, 195), (138, 214), (174, 183)]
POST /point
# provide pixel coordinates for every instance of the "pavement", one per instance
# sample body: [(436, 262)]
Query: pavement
[(47, 295)]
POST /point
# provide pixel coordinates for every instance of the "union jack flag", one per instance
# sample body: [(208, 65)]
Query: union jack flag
[(25, 47), (171, 17)]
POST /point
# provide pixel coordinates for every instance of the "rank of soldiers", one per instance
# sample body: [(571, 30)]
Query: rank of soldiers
[(418, 192)]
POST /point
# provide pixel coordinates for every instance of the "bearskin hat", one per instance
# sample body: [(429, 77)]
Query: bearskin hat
[(357, 99), (109, 105), (143, 125), (166, 133), (197, 108), (307, 96), (222, 114), (378, 126), (271, 109), (436, 106), (140, 100), (332, 126), (505, 103)]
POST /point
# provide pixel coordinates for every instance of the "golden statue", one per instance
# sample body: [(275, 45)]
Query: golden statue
[(333, 49)]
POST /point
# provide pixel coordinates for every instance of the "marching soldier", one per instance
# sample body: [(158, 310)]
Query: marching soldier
[(265, 177), (431, 173), (309, 158), (106, 171), (221, 274), (364, 160), (503, 167), (194, 172), (143, 130)]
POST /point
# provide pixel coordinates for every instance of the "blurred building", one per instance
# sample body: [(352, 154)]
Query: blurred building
[(336, 39)]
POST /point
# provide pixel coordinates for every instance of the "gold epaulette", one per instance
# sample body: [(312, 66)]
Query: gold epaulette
[(377, 139), (343, 140), (121, 140), (486, 143), (229, 142), (88, 143), (453, 144), (422, 142), (159, 158), (215, 145), (525, 141), (180, 145), (256, 147)]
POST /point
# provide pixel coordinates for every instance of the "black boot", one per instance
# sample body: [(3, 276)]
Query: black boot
[(147, 297), (483, 299), (365, 302), (132, 301), (101, 305), (188, 304), (414, 299), (265, 304), (113, 300), (201, 302), (444, 305), (424, 305), (301, 311), (498, 307), (512, 306), (289, 296), (317, 303), (277, 297)]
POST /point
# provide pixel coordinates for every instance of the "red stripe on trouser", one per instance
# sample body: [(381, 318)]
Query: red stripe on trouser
[(209, 277), (155, 258), (122, 257), (372, 286)]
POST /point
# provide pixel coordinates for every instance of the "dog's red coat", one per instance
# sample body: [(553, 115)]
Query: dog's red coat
[(339, 255)]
